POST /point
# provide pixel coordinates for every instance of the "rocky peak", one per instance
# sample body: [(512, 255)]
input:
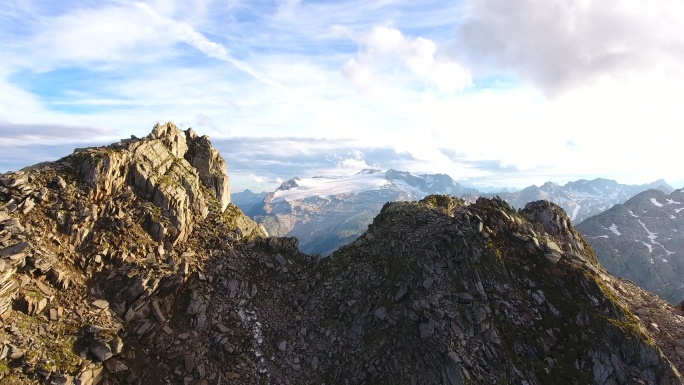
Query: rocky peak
[(94, 248), (289, 184), (172, 138), (169, 169)]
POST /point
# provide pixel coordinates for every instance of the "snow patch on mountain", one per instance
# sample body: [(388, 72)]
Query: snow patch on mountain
[(650, 248), (655, 202), (614, 229), (651, 234), (325, 187), (402, 185), (575, 211)]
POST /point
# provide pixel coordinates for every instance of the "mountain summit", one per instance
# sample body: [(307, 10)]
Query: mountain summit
[(124, 264)]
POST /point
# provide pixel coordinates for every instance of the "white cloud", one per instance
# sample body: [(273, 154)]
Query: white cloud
[(257, 179), (383, 46), (351, 164), (558, 44)]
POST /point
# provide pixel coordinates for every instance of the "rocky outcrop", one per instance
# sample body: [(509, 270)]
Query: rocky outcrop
[(210, 165), (94, 248), (434, 291), (642, 240), (167, 169)]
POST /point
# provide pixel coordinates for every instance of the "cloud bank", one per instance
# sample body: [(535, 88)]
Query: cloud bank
[(508, 92)]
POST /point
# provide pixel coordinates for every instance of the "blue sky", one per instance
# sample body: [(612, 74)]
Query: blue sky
[(491, 92)]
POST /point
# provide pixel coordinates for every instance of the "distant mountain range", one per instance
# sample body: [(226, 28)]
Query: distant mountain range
[(326, 213), (249, 202), (643, 240), (580, 199)]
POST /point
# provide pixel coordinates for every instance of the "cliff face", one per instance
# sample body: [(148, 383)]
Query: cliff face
[(122, 265)]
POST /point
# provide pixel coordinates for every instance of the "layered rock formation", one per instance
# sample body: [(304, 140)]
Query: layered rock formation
[(105, 223), (119, 265), (643, 240)]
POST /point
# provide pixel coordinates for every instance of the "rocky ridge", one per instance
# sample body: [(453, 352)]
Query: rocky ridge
[(120, 266), (643, 240)]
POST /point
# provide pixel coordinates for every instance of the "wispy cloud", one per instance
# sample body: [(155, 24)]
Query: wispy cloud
[(477, 89)]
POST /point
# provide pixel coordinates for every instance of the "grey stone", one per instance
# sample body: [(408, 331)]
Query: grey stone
[(199, 372), (101, 304), (101, 351), (189, 362), (454, 357), (465, 298), (281, 260), (553, 257), (210, 165), (115, 366), (381, 313), (426, 330), (680, 351), (402, 293), (16, 251), (156, 311)]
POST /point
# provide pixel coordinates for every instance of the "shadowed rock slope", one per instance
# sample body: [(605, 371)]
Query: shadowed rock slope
[(643, 240), (122, 265)]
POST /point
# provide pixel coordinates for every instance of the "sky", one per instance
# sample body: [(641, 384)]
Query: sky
[(492, 92)]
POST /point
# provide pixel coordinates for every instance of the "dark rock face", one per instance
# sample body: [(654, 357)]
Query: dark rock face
[(643, 240), (435, 292)]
